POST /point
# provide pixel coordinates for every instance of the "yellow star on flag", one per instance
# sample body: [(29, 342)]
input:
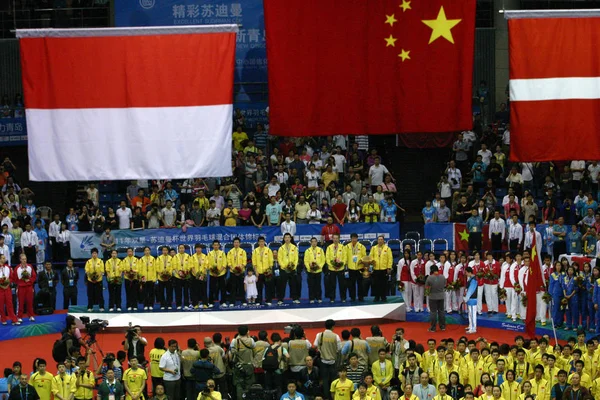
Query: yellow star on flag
[(441, 26), (464, 235), (404, 55), (533, 253), (405, 5), (390, 19), (390, 41)]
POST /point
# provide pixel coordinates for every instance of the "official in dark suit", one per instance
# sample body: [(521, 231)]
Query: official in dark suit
[(48, 280), (69, 278)]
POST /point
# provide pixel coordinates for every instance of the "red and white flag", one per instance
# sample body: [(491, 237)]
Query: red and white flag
[(128, 103), (554, 85)]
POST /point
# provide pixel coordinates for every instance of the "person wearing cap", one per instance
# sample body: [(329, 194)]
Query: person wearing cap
[(188, 357), (329, 345)]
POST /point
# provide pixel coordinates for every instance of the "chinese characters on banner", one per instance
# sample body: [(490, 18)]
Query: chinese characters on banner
[(13, 132)]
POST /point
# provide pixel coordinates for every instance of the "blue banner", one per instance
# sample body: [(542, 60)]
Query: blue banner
[(13, 132), (83, 242)]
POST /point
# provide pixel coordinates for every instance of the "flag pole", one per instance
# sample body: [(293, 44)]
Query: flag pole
[(539, 256)]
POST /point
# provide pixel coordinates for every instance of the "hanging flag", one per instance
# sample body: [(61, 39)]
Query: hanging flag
[(128, 103), (369, 67), (461, 237), (554, 84), (534, 282)]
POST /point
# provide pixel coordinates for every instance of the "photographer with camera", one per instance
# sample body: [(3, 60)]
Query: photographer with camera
[(135, 344), (242, 349), (219, 359), (170, 364), (210, 393), (85, 381), (203, 370), (108, 364)]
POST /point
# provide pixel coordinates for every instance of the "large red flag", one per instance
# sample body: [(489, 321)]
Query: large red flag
[(534, 282), (369, 66), (461, 237), (554, 86)]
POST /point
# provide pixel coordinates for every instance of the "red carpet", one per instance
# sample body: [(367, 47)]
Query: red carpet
[(27, 349)]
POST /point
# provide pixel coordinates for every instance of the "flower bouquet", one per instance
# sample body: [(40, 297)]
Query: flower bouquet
[(547, 297), (268, 275), (184, 275), (132, 275), (580, 281), (518, 288), (427, 291), (524, 300), (116, 280), (401, 286), (25, 275), (214, 270), (490, 276), (479, 274), (338, 264), (502, 293), (452, 286), (420, 279), (564, 303), (95, 277), (165, 276), (4, 282), (314, 266), (289, 267), (237, 270)]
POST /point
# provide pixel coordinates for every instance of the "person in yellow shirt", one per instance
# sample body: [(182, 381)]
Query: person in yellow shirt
[(130, 268), (596, 388), (181, 278), (239, 138), (134, 380), (114, 276), (42, 381), (540, 386), (382, 267), (314, 260), (535, 354), (341, 388), (217, 267), (408, 394), (371, 210), (148, 278), (287, 256), (591, 360), (262, 260), (442, 393), (383, 372), (510, 387), (361, 392), (585, 380), (372, 391), (198, 289), (497, 393), (164, 274), (329, 176), (63, 386), (85, 381), (550, 371), (230, 214), (154, 356), (474, 368), (450, 366), (430, 355), (236, 261), (94, 271), (354, 255), (336, 263)]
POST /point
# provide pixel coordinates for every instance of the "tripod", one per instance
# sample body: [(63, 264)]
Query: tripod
[(92, 343)]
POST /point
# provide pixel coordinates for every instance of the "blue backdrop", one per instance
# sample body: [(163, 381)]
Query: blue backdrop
[(13, 132)]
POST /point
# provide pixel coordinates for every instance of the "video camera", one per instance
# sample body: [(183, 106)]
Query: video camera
[(94, 326)]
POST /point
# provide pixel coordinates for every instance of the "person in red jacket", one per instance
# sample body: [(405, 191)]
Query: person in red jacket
[(329, 230), (24, 276), (5, 293)]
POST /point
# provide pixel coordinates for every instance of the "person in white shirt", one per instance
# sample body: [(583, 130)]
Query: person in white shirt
[(288, 226), (515, 235), (124, 215), (506, 198), (340, 161), (594, 169), (314, 215), (527, 175), (486, 155), (529, 237), (53, 231), (454, 175), (577, 168), (403, 276), (417, 267), (170, 364), (497, 232), (169, 214), (506, 136), (541, 305), (376, 174), (523, 281), (6, 220), (29, 244), (4, 250), (506, 283)]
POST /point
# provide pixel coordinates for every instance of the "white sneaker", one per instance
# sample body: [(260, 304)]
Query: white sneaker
[(312, 302), (280, 303), (297, 301), (111, 309), (319, 301), (269, 304), (3, 322), (128, 308), (89, 310), (119, 309), (408, 309), (162, 308), (17, 323), (32, 319), (20, 320), (102, 310), (179, 307), (244, 304), (231, 305), (211, 305), (170, 308)]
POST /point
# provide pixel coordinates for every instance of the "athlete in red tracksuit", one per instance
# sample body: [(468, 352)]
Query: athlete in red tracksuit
[(24, 287), (5, 293)]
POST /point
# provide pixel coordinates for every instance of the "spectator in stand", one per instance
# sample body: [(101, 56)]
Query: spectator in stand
[(511, 205), (530, 209), (329, 230), (353, 212), (574, 239), (389, 210), (460, 149), (486, 155), (124, 215), (443, 213), (428, 213), (474, 227), (445, 189), (288, 226), (454, 176), (169, 215), (527, 174), (577, 169), (213, 214), (483, 211), (371, 210), (566, 183), (140, 201), (301, 210), (463, 210), (515, 180), (338, 210), (239, 138), (376, 174), (72, 220), (478, 171)]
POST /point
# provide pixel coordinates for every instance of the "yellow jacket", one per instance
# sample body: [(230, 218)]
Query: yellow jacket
[(354, 255), (217, 263), (237, 258), (113, 268), (590, 365), (94, 267), (596, 388), (382, 256), (287, 256), (163, 263), (262, 260), (335, 252), (444, 373), (510, 391), (64, 386), (130, 264), (374, 209), (473, 372), (382, 378), (541, 389), (148, 268), (314, 255), (180, 262), (197, 265), (88, 378)]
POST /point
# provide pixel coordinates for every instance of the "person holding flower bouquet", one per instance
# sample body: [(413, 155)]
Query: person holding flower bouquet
[(147, 279), (461, 279), (354, 254), (181, 274), (541, 305), (217, 268), (335, 257), (287, 255), (6, 293), (94, 271), (24, 277), (314, 260), (236, 261), (114, 276), (556, 291), (404, 279), (490, 286), (448, 270), (417, 274), (164, 275), (523, 281), (198, 284), (130, 268), (507, 274), (570, 292), (262, 261), (382, 258)]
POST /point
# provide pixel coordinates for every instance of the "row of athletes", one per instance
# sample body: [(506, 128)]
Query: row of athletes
[(189, 276)]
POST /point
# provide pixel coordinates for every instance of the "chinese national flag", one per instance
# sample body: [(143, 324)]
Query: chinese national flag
[(461, 237), (554, 85), (369, 66), (534, 282)]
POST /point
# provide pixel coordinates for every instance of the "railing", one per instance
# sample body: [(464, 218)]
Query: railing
[(53, 18)]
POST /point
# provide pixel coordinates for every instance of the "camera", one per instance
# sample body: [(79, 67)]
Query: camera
[(94, 326), (110, 357), (130, 333)]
